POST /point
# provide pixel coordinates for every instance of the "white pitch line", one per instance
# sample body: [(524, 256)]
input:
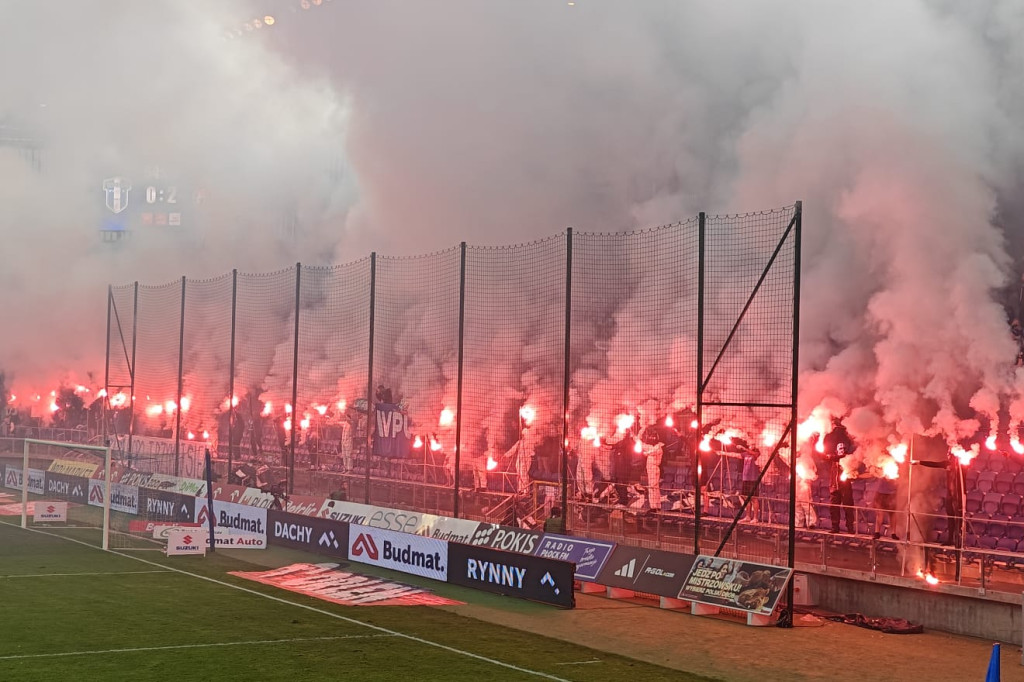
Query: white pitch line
[(378, 628), (596, 660), (48, 575), (185, 646)]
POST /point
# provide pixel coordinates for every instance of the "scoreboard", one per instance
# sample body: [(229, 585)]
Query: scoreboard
[(147, 201)]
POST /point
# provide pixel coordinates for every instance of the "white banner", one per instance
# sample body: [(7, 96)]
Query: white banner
[(13, 479), (234, 517), (50, 512), (187, 541), (413, 554), (123, 498), (158, 453)]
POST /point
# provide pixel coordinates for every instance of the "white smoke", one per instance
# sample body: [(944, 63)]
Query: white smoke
[(503, 122)]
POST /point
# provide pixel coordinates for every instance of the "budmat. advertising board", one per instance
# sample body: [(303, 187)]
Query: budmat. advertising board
[(413, 554)]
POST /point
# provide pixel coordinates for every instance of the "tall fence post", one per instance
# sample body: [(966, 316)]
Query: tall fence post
[(794, 393), (369, 378), (295, 380), (181, 382), (698, 502), (458, 389), (106, 369), (565, 380), (231, 374), (131, 375)]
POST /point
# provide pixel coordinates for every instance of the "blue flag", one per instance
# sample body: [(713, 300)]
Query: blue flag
[(993, 665), (390, 432)]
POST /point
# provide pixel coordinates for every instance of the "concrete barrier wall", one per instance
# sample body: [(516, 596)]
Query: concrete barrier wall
[(987, 618)]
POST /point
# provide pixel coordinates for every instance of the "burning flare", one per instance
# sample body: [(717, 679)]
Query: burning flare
[(447, 417), (527, 414)]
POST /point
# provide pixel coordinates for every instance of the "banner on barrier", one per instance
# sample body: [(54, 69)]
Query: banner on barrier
[(50, 512), (588, 555), (167, 506), (237, 517), (123, 498), (519, 540), (307, 533), (516, 575), (71, 488), (413, 554), (187, 541), (735, 584), (73, 467), (14, 478), (646, 570)]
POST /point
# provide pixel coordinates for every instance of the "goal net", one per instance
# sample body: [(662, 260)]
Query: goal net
[(60, 487)]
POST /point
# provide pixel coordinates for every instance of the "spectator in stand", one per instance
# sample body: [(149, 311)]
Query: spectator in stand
[(839, 445), (1018, 339), (555, 523), (885, 505), (806, 515), (653, 451), (751, 472)]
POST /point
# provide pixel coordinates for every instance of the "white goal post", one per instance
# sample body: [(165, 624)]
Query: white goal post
[(44, 449)]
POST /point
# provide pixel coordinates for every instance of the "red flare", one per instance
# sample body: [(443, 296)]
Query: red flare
[(527, 414)]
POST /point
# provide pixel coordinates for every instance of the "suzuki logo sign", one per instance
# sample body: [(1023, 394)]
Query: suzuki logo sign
[(365, 543)]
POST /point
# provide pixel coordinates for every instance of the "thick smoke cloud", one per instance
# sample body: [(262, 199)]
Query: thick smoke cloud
[(501, 122)]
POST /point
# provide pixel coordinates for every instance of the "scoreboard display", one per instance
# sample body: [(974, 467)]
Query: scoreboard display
[(147, 201)]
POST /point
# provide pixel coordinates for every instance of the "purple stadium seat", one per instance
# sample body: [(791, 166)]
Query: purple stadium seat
[(991, 502), (1015, 527), (974, 499), (1007, 543), (996, 529), (971, 540), (996, 463), (1011, 504), (1003, 483), (985, 481), (987, 542), (1012, 465), (1018, 484)]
